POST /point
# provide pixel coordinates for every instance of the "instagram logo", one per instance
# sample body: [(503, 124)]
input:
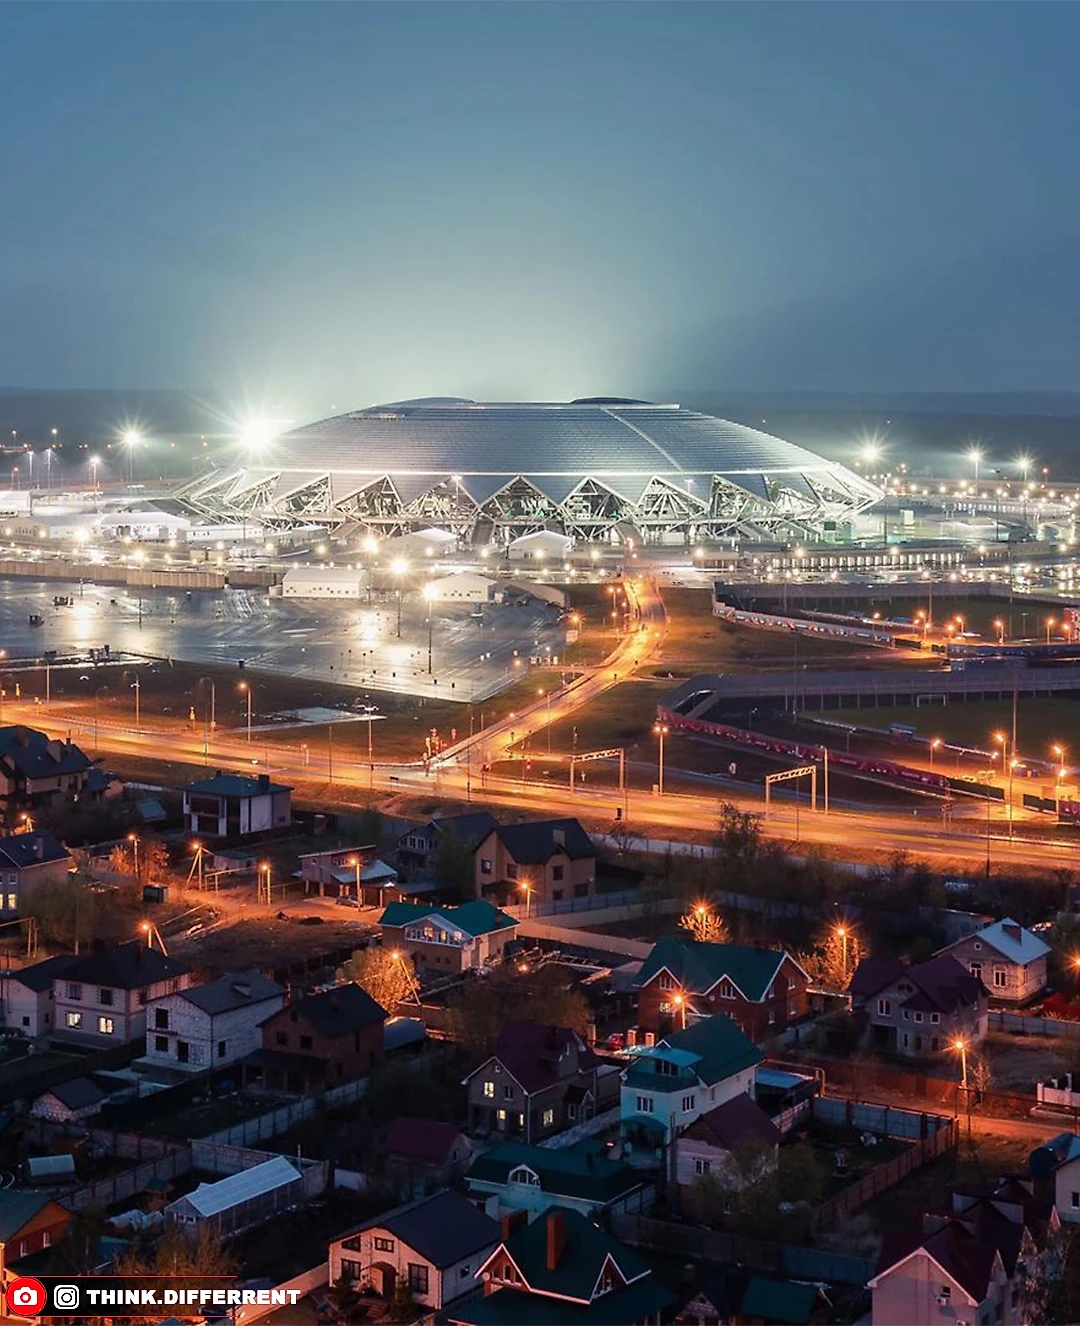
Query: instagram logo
[(66, 1297), (26, 1297)]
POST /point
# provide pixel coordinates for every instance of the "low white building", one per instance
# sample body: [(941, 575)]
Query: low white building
[(324, 582), (233, 805), (462, 587), (540, 546), (101, 998), (241, 1200), (211, 1025)]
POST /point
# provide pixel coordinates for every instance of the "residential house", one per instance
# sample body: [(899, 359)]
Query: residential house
[(919, 1010), (1009, 960), (968, 1264), (564, 1269), (70, 1102), (762, 990), (536, 862), (26, 995), (101, 997), (211, 1025), (735, 1294), (422, 1154), (418, 846), (28, 860), (319, 1040), (534, 1178), (1059, 1159), (728, 1145), (540, 1080), (349, 872), (436, 1245), (447, 939), (231, 805), (38, 770), (667, 1086), (30, 1222)]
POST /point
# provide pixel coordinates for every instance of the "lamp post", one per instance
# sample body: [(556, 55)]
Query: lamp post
[(975, 455), (999, 626), (399, 566), (1050, 624), (661, 730), (1059, 752), (842, 935), (133, 839), (527, 890), (1076, 969), (135, 687), (680, 1003), (429, 597), (131, 440), (246, 689), (933, 747), (961, 1047), (354, 861)]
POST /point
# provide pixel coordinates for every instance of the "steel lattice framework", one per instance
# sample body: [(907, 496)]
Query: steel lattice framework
[(592, 469)]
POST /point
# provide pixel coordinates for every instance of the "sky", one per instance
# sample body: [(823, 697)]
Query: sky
[(313, 207)]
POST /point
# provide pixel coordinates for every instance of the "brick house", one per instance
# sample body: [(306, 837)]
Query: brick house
[(1009, 960), (564, 1268), (436, 1245), (540, 1080), (761, 990), (27, 860), (38, 770), (969, 1264), (211, 1025), (101, 997), (319, 1040), (919, 1010), (418, 845), (710, 1148), (30, 1222), (539, 861), (26, 995), (447, 939)]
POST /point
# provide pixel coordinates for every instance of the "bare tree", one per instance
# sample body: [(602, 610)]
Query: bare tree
[(387, 975), (704, 925)]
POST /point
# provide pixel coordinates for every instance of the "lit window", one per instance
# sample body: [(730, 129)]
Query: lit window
[(12, 901), (549, 1118), (74, 1019), (501, 1115), (105, 1026), (489, 1090)]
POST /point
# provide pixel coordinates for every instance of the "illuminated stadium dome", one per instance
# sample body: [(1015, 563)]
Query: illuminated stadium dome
[(600, 468)]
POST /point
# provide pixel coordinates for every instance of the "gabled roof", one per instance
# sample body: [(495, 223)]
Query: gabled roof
[(35, 755), (335, 1012), (427, 1141), (1008, 938), (474, 918), (719, 1047), (586, 1175), (211, 1198), (39, 976), (79, 1093), (537, 841), (530, 1053), (940, 985), (473, 826), (130, 966), (739, 1119), (17, 1209), (965, 1258), (442, 1228), (235, 785), (698, 967), (238, 989), (1051, 1155), (19, 850)]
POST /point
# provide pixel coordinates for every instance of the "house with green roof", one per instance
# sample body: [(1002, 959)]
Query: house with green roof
[(670, 1085), (762, 990), (447, 939), (535, 1178), (562, 1270)]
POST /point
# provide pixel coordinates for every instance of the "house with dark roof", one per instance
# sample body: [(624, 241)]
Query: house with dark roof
[(1009, 960), (417, 847), (436, 1245), (318, 1040), (229, 805), (70, 1102), (26, 995), (1059, 1160), (919, 1010), (210, 1025), (969, 1263), (736, 1294), (30, 1222), (668, 1086), (447, 939), (581, 1178), (349, 873), (101, 997), (540, 1080), (422, 1154), (38, 770), (535, 862), (762, 990), (561, 1270), (727, 1147), (28, 860)]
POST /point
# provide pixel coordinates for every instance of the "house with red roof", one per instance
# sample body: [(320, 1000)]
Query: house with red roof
[(919, 1010), (540, 1080), (719, 1143), (424, 1154)]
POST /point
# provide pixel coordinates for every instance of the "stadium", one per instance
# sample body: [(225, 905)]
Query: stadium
[(595, 469)]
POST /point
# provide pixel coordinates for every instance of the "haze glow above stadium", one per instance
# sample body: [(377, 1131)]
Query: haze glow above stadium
[(329, 205)]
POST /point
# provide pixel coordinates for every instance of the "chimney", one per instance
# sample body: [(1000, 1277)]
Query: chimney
[(264, 782), (1011, 929), (511, 1223), (556, 1239), (558, 837)]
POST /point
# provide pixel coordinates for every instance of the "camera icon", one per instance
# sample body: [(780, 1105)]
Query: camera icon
[(66, 1297), (26, 1297)]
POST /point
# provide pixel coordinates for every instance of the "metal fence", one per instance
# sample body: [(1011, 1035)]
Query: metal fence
[(1001, 1019)]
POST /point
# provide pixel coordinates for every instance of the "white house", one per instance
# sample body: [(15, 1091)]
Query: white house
[(671, 1084), (1009, 960), (101, 997), (233, 805), (463, 587), (211, 1025), (436, 1245), (324, 582), (26, 996)]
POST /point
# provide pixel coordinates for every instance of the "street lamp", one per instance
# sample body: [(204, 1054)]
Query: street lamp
[(661, 730), (975, 455), (131, 440), (680, 1004), (133, 839), (960, 1046), (1076, 969), (399, 566), (430, 594), (934, 745), (246, 689), (527, 890), (999, 626), (355, 862), (842, 935), (1050, 624)]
